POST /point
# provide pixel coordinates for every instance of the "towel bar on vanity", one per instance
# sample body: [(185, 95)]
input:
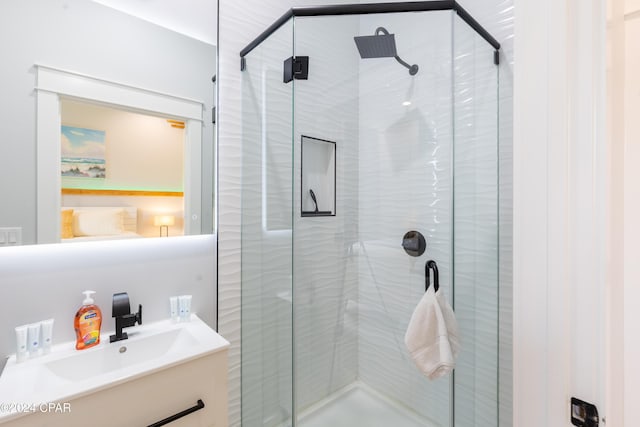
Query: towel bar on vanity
[(431, 265), (199, 405)]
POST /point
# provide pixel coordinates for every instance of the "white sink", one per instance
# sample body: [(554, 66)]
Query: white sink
[(122, 354), (67, 373)]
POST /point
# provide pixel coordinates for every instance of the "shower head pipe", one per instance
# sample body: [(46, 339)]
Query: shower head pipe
[(413, 69)]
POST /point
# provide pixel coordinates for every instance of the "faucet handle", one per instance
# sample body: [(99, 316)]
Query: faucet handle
[(120, 305)]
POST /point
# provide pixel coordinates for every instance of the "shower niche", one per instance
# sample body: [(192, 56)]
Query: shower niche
[(395, 128), (317, 177)]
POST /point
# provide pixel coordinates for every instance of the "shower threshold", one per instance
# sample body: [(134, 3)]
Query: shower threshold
[(359, 405)]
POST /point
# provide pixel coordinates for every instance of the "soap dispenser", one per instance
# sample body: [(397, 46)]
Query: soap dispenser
[(87, 323)]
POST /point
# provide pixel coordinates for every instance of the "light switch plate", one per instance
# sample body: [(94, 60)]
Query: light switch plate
[(10, 236)]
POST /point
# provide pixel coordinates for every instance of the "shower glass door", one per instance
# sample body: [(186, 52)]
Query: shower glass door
[(394, 129), (267, 364), (475, 227), (355, 287)]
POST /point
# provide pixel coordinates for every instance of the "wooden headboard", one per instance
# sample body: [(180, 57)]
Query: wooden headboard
[(129, 218)]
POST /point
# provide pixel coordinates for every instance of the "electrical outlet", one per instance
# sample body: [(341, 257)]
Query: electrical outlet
[(10, 236)]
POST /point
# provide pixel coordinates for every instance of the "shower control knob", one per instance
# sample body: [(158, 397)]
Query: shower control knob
[(414, 243)]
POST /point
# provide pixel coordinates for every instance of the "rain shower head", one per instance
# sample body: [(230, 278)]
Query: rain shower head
[(381, 46)]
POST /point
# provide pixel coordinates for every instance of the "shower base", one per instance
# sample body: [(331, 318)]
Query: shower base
[(360, 405)]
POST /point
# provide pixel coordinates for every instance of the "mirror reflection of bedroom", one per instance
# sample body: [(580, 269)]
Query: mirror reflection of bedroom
[(122, 173)]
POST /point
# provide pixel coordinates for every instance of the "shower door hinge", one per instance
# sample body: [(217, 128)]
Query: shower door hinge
[(296, 68)]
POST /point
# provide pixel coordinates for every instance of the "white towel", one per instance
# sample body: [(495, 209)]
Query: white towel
[(432, 335)]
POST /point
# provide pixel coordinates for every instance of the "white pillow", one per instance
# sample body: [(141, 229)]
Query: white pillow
[(102, 222)]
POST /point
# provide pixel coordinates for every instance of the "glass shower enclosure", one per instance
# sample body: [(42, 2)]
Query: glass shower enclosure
[(365, 127)]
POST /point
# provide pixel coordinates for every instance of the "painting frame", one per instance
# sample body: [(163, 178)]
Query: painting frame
[(83, 153)]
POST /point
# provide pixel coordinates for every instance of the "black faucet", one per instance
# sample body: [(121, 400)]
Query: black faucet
[(121, 310)]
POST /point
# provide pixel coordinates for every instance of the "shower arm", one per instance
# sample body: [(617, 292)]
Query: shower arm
[(413, 69), (409, 67)]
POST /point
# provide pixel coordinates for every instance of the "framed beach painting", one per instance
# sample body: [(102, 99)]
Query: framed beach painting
[(83, 153)]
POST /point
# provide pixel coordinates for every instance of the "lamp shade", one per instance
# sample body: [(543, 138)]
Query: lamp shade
[(162, 220)]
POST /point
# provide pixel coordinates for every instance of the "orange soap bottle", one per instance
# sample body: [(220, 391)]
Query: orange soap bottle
[(87, 323)]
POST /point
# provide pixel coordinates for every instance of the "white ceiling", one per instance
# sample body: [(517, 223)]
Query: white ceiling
[(194, 18)]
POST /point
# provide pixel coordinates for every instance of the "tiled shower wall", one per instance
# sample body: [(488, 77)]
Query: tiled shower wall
[(237, 28), (405, 184), (325, 268)]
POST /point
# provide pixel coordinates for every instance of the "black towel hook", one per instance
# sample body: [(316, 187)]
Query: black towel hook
[(313, 197), (431, 265)]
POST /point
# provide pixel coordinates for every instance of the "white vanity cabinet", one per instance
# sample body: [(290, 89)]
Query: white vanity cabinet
[(163, 369), (149, 399), (146, 400)]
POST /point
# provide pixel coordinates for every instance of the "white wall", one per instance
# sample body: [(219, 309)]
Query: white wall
[(626, 106), (615, 328), (561, 199), (195, 18), (87, 38), (623, 89), (46, 281)]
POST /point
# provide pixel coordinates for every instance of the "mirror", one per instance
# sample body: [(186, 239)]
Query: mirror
[(75, 57), (122, 174)]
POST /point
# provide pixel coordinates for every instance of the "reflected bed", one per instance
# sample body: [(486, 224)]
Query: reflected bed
[(81, 224)]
